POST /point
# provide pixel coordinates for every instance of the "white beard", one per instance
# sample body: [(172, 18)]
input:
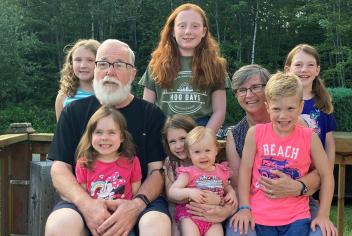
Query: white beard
[(111, 94)]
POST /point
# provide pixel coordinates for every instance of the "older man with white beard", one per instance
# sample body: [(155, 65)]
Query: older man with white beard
[(78, 213)]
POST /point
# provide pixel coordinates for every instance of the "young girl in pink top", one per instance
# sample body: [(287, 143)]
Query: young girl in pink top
[(282, 145), (107, 166), (194, 181)]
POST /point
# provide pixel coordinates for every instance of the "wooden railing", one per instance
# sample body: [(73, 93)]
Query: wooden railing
[(15, 156), (16, 151)]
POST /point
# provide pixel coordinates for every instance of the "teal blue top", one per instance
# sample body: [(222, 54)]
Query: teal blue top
[(79, 95)]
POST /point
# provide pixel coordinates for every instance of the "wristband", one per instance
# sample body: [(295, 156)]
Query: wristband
[(304, 189), (143, 198), (244, 207)]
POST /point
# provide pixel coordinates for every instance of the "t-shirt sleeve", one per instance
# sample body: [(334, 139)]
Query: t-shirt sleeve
[(224, 167), (156, 120), (81, 173), (225, 85), (147, 80), (136, 170), (227, 82), (331, 123), (185, 169)]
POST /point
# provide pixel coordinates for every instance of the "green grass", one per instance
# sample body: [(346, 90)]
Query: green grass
[(348, 218)]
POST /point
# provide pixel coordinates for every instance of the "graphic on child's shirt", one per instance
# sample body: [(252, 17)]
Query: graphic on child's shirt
[(311, 120), (211, 183), (184, 100), (269, 163), (113, 187)]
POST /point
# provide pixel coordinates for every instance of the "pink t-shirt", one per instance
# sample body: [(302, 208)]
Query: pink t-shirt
[(110, 180), (212, 180), (291, 155)]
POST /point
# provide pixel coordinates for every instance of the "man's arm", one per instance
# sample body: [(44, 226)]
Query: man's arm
[(153, 184), (94, 211)]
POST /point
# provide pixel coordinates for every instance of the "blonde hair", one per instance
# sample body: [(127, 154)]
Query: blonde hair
[(208, 67), (323, 100), (283, 85), (197, 134), (69, 82), (85, 152)]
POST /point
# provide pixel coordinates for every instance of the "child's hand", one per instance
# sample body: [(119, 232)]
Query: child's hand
[(231, 198), (212, 198), (197, 195), (242, 220), (326, 226)]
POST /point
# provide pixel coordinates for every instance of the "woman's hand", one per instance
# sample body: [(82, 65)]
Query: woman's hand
[(210, 213), (242, 220), (283, 186)]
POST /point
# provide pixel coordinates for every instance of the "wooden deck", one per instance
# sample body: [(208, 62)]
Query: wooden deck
[(16, 152)]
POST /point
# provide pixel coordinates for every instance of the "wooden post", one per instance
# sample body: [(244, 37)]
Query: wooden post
[(341, 200), (16, 178), (42, 197), (343, 142)]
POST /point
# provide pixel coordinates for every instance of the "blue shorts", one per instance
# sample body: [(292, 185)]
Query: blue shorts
[(298, 227), (159, 204)]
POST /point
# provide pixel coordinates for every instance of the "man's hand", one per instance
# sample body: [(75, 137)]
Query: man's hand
[(284, 186), (123, 219), (95, 212)]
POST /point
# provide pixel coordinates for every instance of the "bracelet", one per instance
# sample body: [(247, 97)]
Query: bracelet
[(304, 189), (143, 198), (243, 207)]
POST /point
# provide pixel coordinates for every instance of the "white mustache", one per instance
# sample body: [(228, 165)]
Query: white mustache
[(110, 79)]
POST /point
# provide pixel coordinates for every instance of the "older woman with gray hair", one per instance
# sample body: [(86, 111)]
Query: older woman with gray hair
[(248, 85)]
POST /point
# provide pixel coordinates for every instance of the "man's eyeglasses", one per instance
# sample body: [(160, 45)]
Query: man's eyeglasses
[(256, 88), (117, 65)]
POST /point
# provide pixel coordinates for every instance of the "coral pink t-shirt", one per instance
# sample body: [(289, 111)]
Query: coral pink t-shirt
[(207, 180), (110, 180), (291, 155)]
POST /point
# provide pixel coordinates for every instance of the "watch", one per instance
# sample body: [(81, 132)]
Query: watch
[(143, 198), (304, 189)]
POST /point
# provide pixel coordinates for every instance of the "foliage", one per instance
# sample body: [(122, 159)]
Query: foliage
[(18, 79), (342, 108), (348, 219), (34, 34), (42, 120), (234, 113)]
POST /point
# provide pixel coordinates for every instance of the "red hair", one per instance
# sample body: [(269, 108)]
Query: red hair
[(208, 67)]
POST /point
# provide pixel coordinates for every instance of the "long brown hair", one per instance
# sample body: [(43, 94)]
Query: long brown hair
[(85, 152), (176, 121), (208, 67), (323, 100), (69, 82)]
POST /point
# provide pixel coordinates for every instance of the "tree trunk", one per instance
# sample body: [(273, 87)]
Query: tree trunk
[(255, 33)]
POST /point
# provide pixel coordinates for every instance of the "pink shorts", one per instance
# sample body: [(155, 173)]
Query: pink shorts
[(181, 212)]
